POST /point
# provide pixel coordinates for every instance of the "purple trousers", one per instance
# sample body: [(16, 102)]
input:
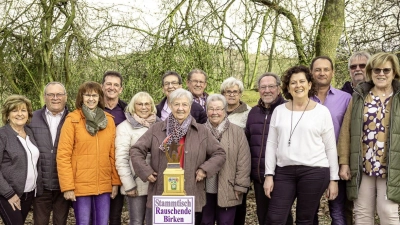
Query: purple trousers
[(212, 212), (96, 205)]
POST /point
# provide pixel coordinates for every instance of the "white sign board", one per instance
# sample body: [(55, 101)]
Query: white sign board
[(173, 209)]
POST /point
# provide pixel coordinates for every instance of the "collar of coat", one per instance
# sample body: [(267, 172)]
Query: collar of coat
[(192, 124), (363, 88)]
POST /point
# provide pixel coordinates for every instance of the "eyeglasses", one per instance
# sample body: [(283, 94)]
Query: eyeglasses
[(89, 96), (354, 66), (173, 84), (197, 82), (57, 95), (270, 87), (234, 93), (145, 104), (214, 110), (379, 70)]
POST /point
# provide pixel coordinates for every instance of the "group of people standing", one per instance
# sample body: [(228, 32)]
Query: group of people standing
[(304, 138)]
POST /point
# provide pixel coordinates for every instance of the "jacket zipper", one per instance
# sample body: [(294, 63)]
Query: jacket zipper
[(97, 161), (358, 178), (261, 149)]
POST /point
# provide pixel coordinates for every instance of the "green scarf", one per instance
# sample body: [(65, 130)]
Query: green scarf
[(95, 119)]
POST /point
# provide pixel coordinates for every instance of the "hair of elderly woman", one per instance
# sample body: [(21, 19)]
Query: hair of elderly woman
[(231, 82), (179, 93), (269, 74), (378, 60), (14, 102), (217, 97), (137, 97), (88, 87), (288, 74)]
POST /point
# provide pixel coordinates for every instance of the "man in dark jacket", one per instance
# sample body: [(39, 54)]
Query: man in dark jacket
[(170, 82), (112, 88), (357, 63), (256, 130), (46, 126)]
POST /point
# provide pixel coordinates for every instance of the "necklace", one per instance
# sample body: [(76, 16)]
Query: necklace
[(291, 121)]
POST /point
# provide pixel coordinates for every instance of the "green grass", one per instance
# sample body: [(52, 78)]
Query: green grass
[(250, 97)]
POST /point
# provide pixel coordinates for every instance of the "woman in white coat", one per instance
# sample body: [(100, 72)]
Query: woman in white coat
[(140, 115)]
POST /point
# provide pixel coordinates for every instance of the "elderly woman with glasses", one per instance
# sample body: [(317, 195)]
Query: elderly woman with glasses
[(225, 190), (86, 157), (140, 115), (202, 155), (20, 178), (369, 143), (237, 110)]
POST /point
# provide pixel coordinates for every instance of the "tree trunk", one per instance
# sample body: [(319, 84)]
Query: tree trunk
[(330, 28)]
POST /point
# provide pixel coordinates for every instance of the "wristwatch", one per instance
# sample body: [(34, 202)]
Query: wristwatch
[(268, 175)]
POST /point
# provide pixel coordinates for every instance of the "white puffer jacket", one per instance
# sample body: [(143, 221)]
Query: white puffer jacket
[(126, 135)]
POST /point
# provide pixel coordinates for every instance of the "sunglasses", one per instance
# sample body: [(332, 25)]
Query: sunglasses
[(354, 66), (384, 70)]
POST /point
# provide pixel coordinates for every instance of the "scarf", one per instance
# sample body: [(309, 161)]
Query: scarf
[(175, 131), (145, 122), (95, 119), (220, 129)]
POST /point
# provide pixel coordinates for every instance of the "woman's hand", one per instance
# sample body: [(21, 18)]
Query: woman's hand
[(237, 194), (344, 172), (152, 178), (333, 190), (15, 202), (200, 175), (132, 193), (69, 195), (268, 186), (114, 192)]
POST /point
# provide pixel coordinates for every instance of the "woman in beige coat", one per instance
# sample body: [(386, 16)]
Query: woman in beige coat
[(225, 190)]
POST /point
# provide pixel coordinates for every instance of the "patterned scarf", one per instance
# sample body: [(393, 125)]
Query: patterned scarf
[(175, 131), (220, 129), (145, 122), (95, 119)]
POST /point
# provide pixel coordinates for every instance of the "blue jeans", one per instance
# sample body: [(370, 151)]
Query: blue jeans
[(137, 209), (96, 205)]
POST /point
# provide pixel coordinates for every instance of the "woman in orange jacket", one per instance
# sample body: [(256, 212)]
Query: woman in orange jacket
[(85, 158)]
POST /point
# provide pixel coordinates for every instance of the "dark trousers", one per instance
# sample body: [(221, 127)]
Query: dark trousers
[(212, 212), (116, 206), (47, 202), (240, 215), (305, 183), (17, 217), (336, 207), (263, 203)]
